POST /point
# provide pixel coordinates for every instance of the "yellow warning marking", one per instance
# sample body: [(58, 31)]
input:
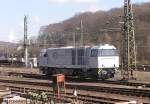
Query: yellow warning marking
[(99, 70)]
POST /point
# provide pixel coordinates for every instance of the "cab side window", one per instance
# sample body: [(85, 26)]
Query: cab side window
[(45, 55), (94, 52)]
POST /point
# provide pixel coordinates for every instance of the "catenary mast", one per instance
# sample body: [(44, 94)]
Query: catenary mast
[(129, 51), (25, 41)]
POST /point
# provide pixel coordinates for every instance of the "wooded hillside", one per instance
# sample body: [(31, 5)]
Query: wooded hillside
[(99, 28)]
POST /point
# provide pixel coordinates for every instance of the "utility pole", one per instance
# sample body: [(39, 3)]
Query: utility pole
[(75, 46), (83, 46), (45, 43), (81, 27), (129, 51), (25, 41)]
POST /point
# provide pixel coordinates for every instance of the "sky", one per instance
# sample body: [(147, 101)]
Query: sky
[(44, 12)]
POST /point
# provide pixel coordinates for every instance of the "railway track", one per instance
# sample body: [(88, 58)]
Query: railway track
[(71, 79), (87, 99), (116, 90)]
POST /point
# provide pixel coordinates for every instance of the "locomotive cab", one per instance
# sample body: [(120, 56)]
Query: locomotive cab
[(106, 59)]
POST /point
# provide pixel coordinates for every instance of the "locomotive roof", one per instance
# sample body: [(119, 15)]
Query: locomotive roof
[(69, 47), (105, 46)]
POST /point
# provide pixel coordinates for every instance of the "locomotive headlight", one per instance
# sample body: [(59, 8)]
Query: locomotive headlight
[(104, 72)]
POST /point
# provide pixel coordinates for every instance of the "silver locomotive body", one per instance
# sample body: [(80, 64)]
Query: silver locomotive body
[(96, 61)]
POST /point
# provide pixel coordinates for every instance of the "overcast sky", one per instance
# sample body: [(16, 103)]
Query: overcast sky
[(44, 12)]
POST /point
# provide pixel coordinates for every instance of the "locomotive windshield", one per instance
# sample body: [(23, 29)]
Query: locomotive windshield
[(43, 52), (108, 52), (94, 52), (104, 52)]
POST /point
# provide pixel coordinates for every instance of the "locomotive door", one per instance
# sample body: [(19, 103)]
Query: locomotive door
[(73, 57), (79, 57)]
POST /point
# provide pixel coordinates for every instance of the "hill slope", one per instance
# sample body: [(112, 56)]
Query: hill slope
[(101, 27)]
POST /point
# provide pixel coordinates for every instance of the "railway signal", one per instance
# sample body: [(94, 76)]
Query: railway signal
[(59, 85)]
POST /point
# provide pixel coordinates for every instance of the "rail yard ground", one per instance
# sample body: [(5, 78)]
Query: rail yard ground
[(19, 70), (96, 92), (93, 91), (140, 75)]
